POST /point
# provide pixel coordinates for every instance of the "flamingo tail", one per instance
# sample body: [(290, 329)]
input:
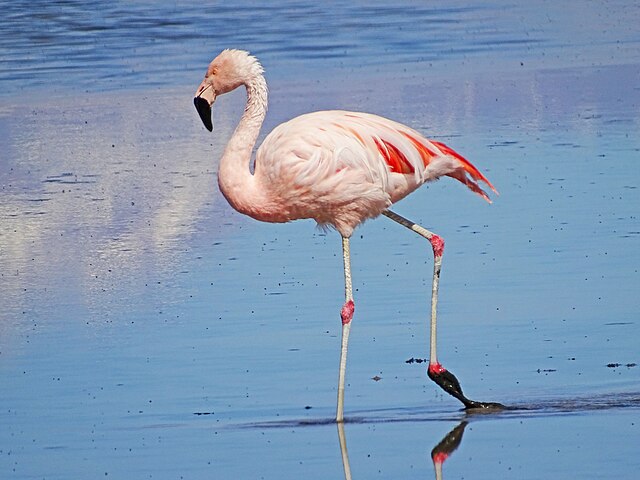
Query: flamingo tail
[(468, 174)]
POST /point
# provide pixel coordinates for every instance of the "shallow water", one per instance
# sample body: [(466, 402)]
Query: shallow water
[(147, 330), (71, 45)]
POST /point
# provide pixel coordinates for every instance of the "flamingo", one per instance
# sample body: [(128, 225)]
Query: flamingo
[(337, 167)]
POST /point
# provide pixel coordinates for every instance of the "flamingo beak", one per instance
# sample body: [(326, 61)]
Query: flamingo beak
[(205, 96)]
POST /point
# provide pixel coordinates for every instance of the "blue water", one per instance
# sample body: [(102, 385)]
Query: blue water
[(72, 45), (149, 331)]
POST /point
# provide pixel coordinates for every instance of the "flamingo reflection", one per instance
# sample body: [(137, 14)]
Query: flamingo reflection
[(446, 447), (443, 450)]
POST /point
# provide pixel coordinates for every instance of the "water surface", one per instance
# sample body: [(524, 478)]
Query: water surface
[(148, 330)]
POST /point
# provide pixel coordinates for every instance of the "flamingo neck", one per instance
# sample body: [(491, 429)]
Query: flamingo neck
[(236, 182)]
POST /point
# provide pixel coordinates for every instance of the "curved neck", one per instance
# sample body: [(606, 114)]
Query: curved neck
[(236, 182)]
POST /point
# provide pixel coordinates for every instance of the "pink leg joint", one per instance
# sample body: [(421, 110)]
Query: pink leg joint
[(438, 245), (347, 312), (439, 457), (436, 368)]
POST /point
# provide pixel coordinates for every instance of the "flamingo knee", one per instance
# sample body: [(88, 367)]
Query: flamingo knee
[(347, 312), (437, 242)]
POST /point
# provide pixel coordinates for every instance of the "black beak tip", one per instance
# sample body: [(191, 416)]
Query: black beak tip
[(204, 110)]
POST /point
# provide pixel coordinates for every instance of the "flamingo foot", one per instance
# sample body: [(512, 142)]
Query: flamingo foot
[(450, 384)]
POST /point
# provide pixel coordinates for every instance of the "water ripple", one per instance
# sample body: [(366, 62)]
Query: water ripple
[(63, 45)]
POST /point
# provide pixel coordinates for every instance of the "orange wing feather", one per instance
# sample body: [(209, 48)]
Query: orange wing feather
[(394, 157), (422, 149)]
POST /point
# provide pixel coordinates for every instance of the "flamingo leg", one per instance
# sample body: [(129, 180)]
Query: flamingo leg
[(346, 314), (440, 375)]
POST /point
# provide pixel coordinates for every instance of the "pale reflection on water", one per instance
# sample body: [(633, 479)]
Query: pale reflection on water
[(92, 197)]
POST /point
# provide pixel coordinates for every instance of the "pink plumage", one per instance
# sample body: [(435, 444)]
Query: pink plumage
[(339, 168)]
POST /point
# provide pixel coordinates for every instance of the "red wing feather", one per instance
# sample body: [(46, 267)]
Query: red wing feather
[(466, 164), (393, 156)]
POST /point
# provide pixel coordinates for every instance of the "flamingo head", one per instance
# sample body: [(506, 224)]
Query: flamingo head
[(226, 72)]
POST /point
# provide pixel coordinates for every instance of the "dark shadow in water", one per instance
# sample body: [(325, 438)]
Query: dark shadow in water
[(452, 440), (541, 408)]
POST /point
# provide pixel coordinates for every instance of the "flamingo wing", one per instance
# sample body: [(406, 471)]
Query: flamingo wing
[(338, 164)]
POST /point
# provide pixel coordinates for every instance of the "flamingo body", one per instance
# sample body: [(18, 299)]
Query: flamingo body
[(341, 168)]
